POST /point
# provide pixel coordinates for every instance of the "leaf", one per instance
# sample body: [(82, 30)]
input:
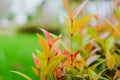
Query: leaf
[(35, 71), (50, 68), (92, 59), (117, 57), (118, 11), (64, 46), (75, 55), (68, 23), (97, 64), (36, 61), (58, 73), (67, 55), (99, 74), (44, 45), (80, 23), (117, 73), (110, 60), (23, 75), (91, 74), (66, 5), (92, 32), (109, 43), (113, 27), (76, 12), (47, 36)]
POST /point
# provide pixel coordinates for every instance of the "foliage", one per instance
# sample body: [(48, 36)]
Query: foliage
[(91, 54)]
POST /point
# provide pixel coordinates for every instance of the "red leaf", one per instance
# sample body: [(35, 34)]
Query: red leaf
[(75, 55), (67, 55), (36, 61), (59, 37), (58, 72), (47, 35)]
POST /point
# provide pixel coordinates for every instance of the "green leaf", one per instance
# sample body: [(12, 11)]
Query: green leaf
[(23, 75), (109, 43)]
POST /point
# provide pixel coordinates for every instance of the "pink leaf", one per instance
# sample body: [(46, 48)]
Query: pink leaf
[(47, 35), (92, 59), (76, 12), (59, 37), (93, 51), (36, 61), (57, 52)]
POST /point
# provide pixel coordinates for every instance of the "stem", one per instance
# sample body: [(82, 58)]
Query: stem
[(53, 76), (71, 36), (39, 73)]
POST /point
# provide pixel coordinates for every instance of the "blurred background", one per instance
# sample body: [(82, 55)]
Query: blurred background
[(20, 20)]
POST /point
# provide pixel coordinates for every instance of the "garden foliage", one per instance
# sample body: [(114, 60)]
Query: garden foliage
[(92, 53)]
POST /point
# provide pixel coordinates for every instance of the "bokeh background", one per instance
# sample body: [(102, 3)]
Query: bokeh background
[(20, 20)]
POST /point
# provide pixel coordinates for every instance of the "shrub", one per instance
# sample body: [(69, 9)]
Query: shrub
[(90, 54)]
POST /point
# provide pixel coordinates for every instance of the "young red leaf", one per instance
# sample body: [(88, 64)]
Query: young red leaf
[(75, 55), (67, 55), (47, 35), (76, 12), (36, 61), (58, 72), (56, 39)]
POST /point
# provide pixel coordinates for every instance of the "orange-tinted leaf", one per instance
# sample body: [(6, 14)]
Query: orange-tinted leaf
[(58, 72), (68, 9), (67, 55), (35, 71), (76, 12), (110, 60), (44, 45), (56, 39), (117, 73), (36, 61), (47, 36), (113, 27), (90, 46)]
